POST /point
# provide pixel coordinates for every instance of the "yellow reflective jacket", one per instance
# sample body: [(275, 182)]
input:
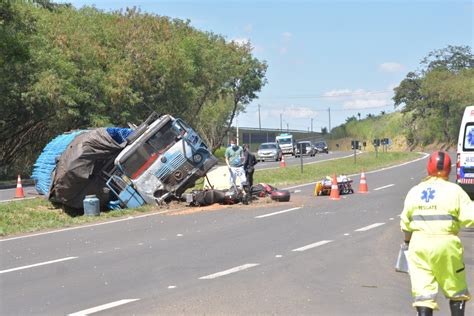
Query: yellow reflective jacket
[(437, 206)]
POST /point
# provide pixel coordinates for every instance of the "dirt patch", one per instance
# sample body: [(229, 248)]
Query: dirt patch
[(180, 209)]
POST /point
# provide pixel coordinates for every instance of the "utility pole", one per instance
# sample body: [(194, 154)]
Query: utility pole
[(237, 121), (287, 127), (329, 110), (281, 126), (259, 122), (311, 125)]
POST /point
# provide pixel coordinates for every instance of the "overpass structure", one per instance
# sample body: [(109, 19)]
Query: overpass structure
[(255, 136)]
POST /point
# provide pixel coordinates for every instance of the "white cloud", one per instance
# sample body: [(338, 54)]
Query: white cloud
[(285, 41), (241, 41), (391, 67), (336, 93), (360, 98), (290, 112), (286, 36), (367, 103)]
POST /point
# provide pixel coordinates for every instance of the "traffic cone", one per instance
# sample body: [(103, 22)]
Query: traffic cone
[(282, 162), (334, 189), (363, 184), (19, 189)]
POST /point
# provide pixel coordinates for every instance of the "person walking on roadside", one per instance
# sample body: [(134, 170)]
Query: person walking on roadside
[(249, 165), (234, 158), (433, 213)]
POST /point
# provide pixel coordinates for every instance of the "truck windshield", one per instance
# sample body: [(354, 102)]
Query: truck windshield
[(284, 141), (147, 153)]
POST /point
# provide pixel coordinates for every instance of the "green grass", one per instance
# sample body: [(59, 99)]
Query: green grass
[(314, 172), (26, 216)]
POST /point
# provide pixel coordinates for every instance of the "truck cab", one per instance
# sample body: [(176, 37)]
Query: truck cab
[(287, 143), (164, 158)]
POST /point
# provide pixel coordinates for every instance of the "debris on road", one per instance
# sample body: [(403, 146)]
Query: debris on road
[(323, 187)]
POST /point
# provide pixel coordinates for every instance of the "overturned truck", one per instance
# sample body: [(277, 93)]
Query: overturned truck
[(124, 168)]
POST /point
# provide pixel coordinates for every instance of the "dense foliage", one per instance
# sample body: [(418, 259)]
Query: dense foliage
[(63, 68), (433, 98)]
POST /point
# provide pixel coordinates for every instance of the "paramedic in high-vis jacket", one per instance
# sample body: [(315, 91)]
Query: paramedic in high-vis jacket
[(434, 212)]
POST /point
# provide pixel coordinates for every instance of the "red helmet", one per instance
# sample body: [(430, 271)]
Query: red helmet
[(439, 164)]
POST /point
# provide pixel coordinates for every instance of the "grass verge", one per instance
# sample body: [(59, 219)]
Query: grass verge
[(32, 215), (25, 216), (314, 172)]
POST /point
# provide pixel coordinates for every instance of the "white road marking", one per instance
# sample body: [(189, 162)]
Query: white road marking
[(391, 218), (85, 226), (369, 227), (384, 187), (19, 199), (346, 234), (103, 307), (279, 212), (179, 235), (229, 271), (278, 256), (37, 264), (172, 286), (297, 191), (316, 244)]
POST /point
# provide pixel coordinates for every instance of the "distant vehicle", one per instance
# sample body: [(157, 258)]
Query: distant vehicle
[(321, 147), (306, 147), (269, 151), (287, 143), (465, 155)]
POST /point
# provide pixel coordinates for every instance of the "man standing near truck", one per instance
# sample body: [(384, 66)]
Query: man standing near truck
[(234, 158)]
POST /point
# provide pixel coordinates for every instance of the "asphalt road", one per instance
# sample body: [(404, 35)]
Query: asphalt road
[(310, 256), (292, 161), (9, 194)]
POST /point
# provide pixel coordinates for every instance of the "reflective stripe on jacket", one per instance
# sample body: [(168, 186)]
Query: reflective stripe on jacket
[(437, 206)]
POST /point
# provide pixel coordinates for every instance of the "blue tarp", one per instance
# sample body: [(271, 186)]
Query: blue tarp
[(119, 134), (46, 162)]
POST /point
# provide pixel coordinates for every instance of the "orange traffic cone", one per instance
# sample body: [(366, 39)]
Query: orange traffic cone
[(334, 189), (363, 184), (282, 162), (19, 189)]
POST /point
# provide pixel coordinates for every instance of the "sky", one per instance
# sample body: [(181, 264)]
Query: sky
[(327, 60)]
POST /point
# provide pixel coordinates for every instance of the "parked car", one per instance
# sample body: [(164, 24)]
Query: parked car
[(269, 151), (321, 147), (306, 148)]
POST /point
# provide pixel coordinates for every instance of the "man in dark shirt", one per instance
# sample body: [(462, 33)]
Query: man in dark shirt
[(249, 165)]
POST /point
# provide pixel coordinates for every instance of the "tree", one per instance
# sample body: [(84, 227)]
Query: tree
[(63, 68), (433, 98), (350, 119)]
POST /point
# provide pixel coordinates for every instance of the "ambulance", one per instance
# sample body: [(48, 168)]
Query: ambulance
[(465, 156)]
